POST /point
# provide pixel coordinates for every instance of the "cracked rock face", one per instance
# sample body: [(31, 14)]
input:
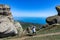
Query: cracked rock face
[(7, 25)]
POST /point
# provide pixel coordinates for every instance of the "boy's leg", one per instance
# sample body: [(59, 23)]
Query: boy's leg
[(34, 33)]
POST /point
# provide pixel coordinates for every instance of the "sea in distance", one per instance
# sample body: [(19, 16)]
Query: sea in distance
[(37, 20)]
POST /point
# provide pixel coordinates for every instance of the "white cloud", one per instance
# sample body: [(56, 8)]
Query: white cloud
[(33, 14)]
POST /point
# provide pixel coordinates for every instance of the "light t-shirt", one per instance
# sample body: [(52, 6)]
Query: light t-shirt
[(34, 30)]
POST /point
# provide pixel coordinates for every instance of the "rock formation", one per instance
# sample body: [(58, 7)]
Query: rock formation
[(58, 10), (8, 26), (54, 19)]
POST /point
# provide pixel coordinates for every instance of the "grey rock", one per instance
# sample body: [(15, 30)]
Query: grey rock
[(8, 26), (54, 19), (58, 10)]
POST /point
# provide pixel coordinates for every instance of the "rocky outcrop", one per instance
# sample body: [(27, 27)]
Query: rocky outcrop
[(19, 28), (54, 19), (58, 10), (8, 26)]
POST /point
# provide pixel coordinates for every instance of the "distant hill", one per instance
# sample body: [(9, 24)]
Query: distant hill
[(27, 24)]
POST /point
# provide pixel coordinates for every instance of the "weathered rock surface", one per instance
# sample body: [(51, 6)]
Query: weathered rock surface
[(54, 19), (58, 10), (19, 28), (8, 26), (51, 20)]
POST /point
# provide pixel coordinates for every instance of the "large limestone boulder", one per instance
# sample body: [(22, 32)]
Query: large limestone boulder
[(54, 19), (8, 26)]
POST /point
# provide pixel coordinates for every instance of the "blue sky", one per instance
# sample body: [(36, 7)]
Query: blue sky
[(32, 8)]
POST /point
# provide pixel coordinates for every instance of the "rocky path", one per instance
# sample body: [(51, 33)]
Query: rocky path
[(42, 35)]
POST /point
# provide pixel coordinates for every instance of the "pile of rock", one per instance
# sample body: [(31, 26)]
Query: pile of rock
[(54, 19), (8, 26)]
